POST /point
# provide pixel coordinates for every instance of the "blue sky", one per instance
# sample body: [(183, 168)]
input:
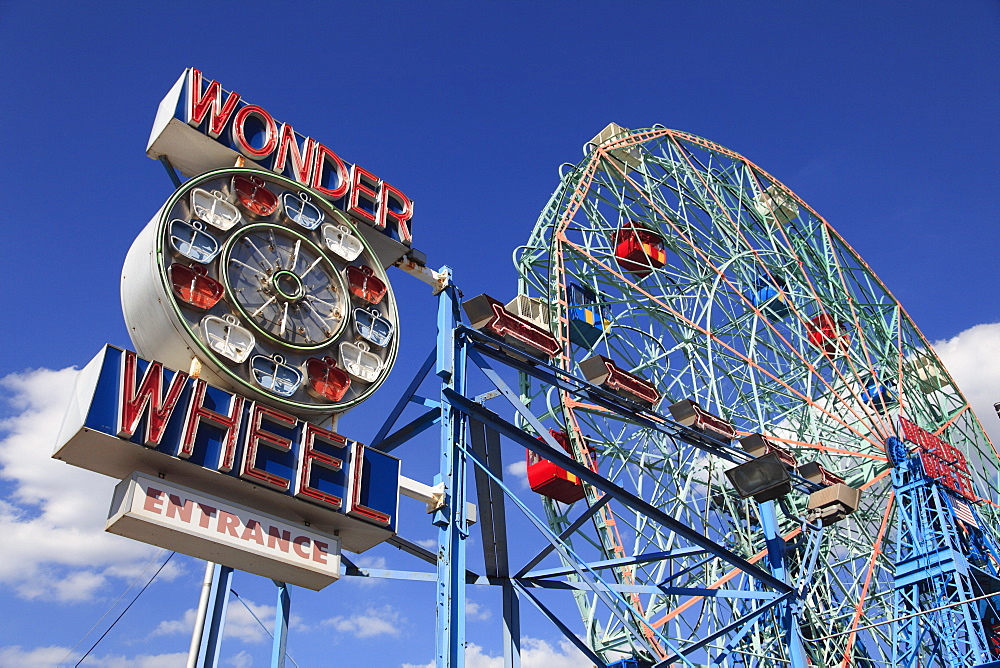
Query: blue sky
[(882, 116)]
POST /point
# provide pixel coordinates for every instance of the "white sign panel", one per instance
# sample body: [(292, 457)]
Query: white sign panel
[(153, 510)]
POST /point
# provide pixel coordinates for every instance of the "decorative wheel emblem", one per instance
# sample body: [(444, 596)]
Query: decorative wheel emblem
[(273, 289), (285, 286)]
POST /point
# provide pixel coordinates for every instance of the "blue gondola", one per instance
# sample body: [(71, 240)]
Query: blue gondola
[(274, 375), (373, 327), (768, 295), (300, 210), (190, 240), (879, 396), (588, 319)]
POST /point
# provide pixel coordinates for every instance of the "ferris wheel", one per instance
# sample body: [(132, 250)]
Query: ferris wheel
[(692, 269)]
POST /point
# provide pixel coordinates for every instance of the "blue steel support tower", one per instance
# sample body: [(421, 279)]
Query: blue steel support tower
[(946, 560)]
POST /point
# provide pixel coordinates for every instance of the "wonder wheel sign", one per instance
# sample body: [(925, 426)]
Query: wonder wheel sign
[(260, 310)]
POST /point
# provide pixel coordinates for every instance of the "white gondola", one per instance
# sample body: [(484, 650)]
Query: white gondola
[(213, 208), (776, 204), (357, 361), (225, 336), (372, 326), (300, 210), (274, 375), (340, 240), (190, 240)]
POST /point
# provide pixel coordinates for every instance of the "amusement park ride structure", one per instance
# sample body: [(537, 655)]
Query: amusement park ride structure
[(842, 534), (741, 451)]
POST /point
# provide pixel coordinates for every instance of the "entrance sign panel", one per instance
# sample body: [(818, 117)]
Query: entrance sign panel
[(200, 525), (130, 415)]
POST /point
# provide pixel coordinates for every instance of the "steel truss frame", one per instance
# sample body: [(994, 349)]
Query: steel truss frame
[(470, 445), (942, 593)]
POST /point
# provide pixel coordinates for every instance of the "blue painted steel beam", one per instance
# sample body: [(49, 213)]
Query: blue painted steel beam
[(615, 563), (596, 584), (621, 495), (493, 527), (572, 637), (171, 172), (450, 519), (413, 428), (218, 603), (776, 562), (566, 533), (492, 514), (747, 619), (411, 548), (609, 594), (280, 626), (628, 411), (404, 399)]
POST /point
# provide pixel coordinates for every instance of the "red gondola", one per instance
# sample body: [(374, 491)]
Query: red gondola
[(828, 335), (364, 284), (638, 249), (551, 480), (194, 287)]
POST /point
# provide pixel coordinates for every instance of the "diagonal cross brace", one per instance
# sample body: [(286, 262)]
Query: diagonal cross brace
[(483, 414)]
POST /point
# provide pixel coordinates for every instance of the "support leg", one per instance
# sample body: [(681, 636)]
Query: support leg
[(776, 562), (211, 618), (280, 626), (450, 520)]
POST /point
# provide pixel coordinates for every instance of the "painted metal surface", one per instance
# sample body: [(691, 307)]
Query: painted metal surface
[(688, 574), (200, 127), (130, 415), (945, 556), (761, 313)]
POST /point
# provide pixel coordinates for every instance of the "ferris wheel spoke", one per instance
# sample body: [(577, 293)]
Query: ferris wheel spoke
[(264, 259), (709, 337)]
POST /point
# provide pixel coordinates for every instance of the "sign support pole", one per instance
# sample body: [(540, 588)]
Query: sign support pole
[(451, 518), (208, 627), (280, 626)]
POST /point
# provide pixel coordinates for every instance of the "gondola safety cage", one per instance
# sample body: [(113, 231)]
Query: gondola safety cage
[(587, 318), (768, 294), (827, 334), (551, 480), (638, 249)]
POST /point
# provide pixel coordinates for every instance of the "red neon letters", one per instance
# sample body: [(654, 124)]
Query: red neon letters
[(253, 425), (254, 133)]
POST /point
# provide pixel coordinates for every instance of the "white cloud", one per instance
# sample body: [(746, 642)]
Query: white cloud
[(241, 660), (169, 627), (377, 563), (240, 624), (973, 359), (519, 470), (142, 661), (476, 611), (369, 623), (45, 657), (55, 546), (42, 657), (535, 653), (429, 543)]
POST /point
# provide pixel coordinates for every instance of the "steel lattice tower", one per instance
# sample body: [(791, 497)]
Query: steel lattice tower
[(944, 559)]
